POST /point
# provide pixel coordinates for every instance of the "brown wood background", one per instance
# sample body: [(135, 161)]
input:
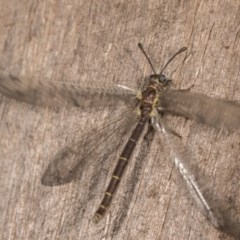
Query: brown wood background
[(96, 41)]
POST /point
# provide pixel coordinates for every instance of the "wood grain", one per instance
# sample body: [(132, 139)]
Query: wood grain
[(96, 41)]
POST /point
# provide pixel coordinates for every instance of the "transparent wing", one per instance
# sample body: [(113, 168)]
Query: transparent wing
[(216, 113), (58, 93), (69, 163), (181, 161)]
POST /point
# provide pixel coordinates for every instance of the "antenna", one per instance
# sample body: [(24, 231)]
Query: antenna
[(178, 52), (145, 54), (143, 51)]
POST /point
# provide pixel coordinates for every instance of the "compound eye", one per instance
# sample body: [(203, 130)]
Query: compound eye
[(162, 79), (154, 77)]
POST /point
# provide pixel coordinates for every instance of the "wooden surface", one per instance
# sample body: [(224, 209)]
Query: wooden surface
[(96, 41)]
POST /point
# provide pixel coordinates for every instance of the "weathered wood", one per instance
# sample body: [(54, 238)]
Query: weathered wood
[(90, 41)]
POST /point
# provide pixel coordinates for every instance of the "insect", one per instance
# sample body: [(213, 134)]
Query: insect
[(146, 108)]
